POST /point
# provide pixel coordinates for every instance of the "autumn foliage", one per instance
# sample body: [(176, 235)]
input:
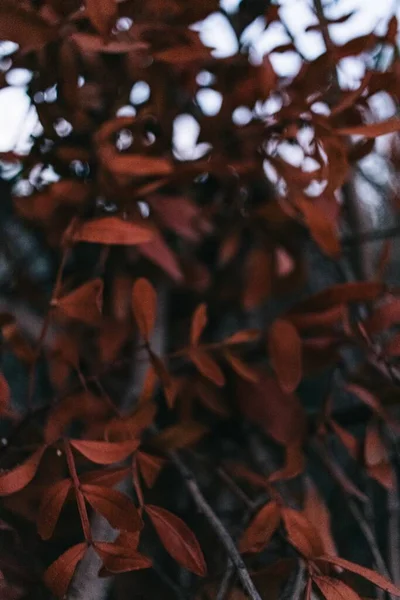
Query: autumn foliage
[(197, 416)]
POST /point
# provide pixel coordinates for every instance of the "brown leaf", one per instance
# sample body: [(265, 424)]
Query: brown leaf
[(119, 558), (179, 541), (4, 393), (207, 366), (103, 14), (114, 506), (371, 130), (322, 229), (293, 467), (301, 533), (261, 529), (159, 253), (371, 576), (285, 351), (19, 477), (342, 293), (241, 337), (144, 304), (240, 367), (84, 304), (199, 321), (264, 403), (24, 27), (105, 453), (318, 514), (368, 398), (334, 589), (150, 467), (179, 436), (78, 407), (50, 508), (59, 574), (112, 230)]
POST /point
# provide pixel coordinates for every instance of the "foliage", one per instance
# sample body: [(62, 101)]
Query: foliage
[(165, 392)]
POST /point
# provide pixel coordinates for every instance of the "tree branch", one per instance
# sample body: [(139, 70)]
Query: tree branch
[(217, 526)]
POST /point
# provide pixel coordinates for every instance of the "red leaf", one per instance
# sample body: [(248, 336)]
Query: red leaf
[(240, 367), (136, 165), (285, 351), (59, 574), (24, 27), (293, 467), (120, 559), (78, 407), (114, 506), (241, 337), (207, 366), (105, 477), (348, 440), (322, 229), (301, 533), (105, 453), (50, 508), (144, 304), (261, 529), (372, 576), (103, 14), (334, 589), (368, 398), (199, 321), (150, 467), (111, 230), (318, 514), (4, 393), (131, 426), (159, 253), (18, 478), (84, 304), (179, 541), (264, 403), (179, 436), (371, 130), (342, 293)]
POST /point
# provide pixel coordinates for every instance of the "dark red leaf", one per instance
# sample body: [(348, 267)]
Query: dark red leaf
[(372, 130), (264, 403), (334, 589), (302, 533), (103, 14), (159, 253), (59, 574), (150, 467), (105, 453), (119, 558), (179, 541), (111, 230), (240, 367), (199, 321), (371, 576), (4, 393), (114, 506), (207, 366), (50, 508), (261, 529), (144, 304), (78, 407), (19, 477), (84, 304), (23, 26), (180, 436), (285, 351)]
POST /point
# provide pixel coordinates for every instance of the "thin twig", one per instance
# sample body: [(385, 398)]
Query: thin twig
[(217, 526), (226, 581)]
